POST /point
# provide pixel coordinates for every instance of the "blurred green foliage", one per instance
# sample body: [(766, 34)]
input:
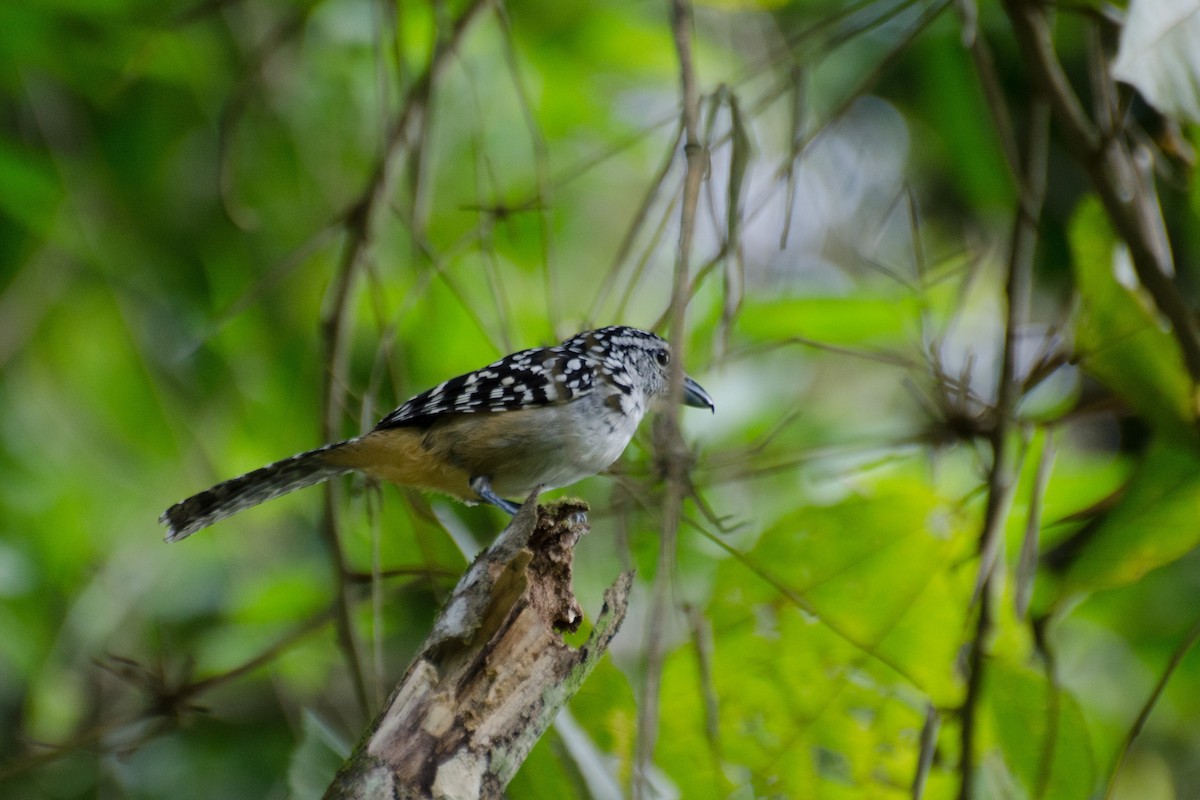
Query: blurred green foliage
[(182, 184)]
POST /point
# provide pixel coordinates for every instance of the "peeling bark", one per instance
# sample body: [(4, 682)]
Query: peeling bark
[(493, 673)]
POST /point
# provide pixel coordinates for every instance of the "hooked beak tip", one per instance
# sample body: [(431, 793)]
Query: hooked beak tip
[(695, 396)]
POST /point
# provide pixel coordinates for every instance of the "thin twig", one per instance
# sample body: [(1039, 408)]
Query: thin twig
[(1018, 290), (676, 453), (928, 746), (882, 68), (989, 81), (1028, 558), (541, 170), (800, 601), (1126, 191), (702, 638), (1189, 641), (488, 213), (239, 99), (360, 225), (262, 659), (648, 252), (180, 697), (640, 216), (973, 667)]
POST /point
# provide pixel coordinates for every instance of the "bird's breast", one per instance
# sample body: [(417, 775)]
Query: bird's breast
[(569, 443)]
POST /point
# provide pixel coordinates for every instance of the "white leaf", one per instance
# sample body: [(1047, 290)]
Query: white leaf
[(1160, 55)]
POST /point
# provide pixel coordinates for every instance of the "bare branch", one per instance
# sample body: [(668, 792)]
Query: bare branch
[(1126, 190), (674, 448), (335, 324), (1018, 289)]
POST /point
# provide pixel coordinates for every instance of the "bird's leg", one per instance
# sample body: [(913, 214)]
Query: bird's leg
[(482, 486)]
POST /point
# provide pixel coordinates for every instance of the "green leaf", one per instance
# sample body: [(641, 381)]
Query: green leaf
[(31, 191), (605, 708), (828, 703), (1120, 340), (880, 571), (282, 595), (1040, 732), (547, 772), (1154, 524), (801, 712), (853, 320)]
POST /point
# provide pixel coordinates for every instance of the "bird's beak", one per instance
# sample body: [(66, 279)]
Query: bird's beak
[(695, 396)]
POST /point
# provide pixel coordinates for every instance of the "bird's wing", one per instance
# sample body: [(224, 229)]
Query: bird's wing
[(537, 377)]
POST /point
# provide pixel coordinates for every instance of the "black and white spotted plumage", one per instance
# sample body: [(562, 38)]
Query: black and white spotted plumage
[(544, 417), (539, 376), (245, 491)]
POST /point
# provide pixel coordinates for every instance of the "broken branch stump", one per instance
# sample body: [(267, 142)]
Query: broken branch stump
[(494, 672)]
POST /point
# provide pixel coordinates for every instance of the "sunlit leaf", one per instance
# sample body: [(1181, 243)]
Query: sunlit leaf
[(881, 571), (857, 319), (847, 729)]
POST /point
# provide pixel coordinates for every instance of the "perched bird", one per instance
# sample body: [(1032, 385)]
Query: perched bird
[(546, 417)]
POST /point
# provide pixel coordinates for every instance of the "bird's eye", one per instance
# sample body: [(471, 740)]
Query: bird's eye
[(662, 357)]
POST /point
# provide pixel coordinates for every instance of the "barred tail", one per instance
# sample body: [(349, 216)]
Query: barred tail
[(227, 498)]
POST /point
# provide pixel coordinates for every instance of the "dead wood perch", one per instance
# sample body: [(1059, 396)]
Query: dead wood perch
[(494, 672)]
